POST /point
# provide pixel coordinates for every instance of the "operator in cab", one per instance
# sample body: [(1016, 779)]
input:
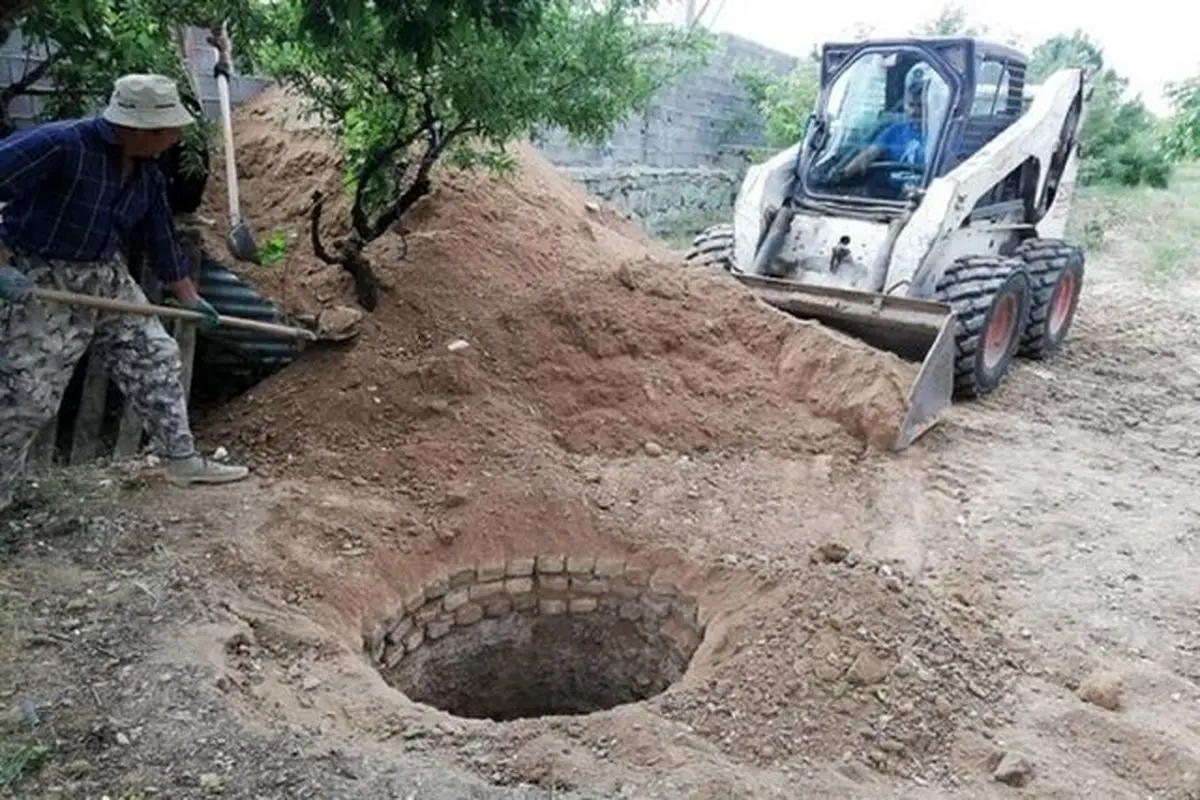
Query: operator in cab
[(902, 142)]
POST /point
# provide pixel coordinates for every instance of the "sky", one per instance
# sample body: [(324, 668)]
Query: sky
[(1144, 45)]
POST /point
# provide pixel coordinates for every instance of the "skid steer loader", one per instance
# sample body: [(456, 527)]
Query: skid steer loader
[(922, 213)]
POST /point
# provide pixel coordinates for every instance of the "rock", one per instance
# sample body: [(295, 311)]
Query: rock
[(212, 782), (653, 449), (339, 323), (457, 345), (868, 669), (1102, 689), (1014, 769), (456, 498), (824, 671), (833, 553)]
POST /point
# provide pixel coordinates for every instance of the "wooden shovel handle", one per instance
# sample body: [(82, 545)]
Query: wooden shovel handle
[(148, 310)]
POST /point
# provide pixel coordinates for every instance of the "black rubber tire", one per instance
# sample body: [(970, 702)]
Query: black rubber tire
[(1049, 262), (973, 286), (713, 247)]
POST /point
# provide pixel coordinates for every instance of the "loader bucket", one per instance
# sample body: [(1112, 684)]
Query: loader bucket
[(919, 331)]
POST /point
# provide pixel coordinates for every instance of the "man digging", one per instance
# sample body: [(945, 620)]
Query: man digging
[(74, 190)]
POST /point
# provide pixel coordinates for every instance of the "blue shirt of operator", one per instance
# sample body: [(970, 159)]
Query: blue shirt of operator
[(902, 142)]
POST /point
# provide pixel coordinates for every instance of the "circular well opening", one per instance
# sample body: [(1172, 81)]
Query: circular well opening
[(534, 637)]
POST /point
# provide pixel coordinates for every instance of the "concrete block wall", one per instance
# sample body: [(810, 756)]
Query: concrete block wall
[(676, 169), (691, 124)]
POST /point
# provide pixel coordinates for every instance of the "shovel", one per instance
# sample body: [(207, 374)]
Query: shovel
[(241, 240), (149, 310)]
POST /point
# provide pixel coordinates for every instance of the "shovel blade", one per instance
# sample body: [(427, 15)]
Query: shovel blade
[(919, 331), (242, 245)]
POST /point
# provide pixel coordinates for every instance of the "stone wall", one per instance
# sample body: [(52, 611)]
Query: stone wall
[(665, 202)]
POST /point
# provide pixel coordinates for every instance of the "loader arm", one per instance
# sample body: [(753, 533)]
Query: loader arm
[(917, 257)]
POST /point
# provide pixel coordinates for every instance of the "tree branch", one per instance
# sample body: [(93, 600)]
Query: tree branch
[(314, 217)]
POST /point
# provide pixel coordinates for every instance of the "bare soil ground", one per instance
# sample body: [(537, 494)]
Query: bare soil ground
[(1014, 597)]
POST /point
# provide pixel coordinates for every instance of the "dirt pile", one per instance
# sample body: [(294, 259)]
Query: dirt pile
[(852, 664), (580, 332)]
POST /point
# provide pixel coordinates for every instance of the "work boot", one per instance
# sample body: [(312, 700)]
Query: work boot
[(198, 469)]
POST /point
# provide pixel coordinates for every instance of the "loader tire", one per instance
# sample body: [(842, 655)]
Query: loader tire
[(990, 296), (713, 247), (1056, 277)]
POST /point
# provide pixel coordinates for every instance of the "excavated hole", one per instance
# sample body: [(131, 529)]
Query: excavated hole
[(538, 637)]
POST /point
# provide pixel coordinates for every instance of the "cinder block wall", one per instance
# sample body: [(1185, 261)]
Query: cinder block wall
[(695, 123), (676, 168)]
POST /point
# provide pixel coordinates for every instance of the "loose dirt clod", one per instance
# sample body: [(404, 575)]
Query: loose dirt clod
[(1014, 769), (1102, 689)]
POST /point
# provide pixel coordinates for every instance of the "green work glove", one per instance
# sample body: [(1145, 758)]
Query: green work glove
[(210, 318)]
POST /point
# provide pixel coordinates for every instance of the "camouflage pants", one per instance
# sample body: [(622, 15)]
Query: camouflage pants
[(41, 342)]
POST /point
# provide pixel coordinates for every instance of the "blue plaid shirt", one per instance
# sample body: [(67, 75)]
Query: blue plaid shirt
[(62, 185)]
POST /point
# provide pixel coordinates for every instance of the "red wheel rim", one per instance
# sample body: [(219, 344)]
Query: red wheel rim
[(999, 334), (1060, 303)]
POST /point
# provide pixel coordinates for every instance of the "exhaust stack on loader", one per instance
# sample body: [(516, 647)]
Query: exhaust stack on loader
[(922, 213)]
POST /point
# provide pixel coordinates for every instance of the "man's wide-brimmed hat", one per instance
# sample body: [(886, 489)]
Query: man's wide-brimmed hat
[(146, 102)]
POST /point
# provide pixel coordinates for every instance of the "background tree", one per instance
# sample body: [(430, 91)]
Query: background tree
[(1121, 140), (952, 20), (1181, 139), (89, 46), (784, 102), (399, 103), (1063, 51)]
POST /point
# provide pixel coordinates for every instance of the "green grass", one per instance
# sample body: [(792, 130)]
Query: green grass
[(19, 760), (1155, 232), (274, 249)]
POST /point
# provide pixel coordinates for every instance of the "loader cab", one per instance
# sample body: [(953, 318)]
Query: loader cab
[(893, 115)]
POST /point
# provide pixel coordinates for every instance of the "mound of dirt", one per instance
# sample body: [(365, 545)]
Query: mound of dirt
[(581, 333), (851, 664)]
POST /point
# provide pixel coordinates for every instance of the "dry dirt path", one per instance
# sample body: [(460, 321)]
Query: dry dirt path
[(1075, 511)]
